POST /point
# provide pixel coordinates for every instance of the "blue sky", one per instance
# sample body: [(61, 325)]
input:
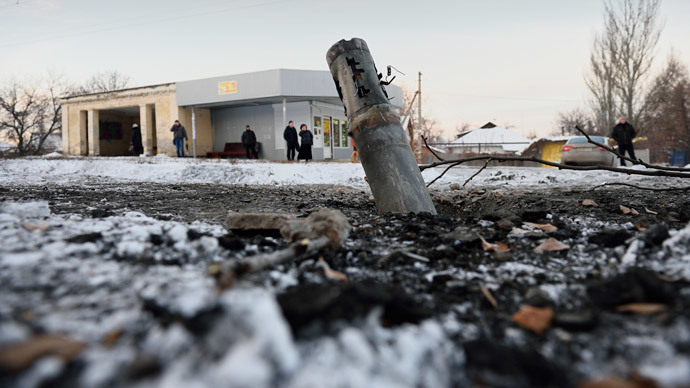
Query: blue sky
[(516, 63)]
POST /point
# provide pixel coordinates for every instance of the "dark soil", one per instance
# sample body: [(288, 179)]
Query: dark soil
[(586, 331)]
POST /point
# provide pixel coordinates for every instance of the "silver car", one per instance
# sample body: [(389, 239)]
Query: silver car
[(578, 151)]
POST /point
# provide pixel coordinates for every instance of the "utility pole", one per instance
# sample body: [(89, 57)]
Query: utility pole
[(419, 100), (418, 141)]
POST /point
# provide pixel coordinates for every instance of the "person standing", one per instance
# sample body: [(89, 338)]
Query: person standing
[(290, 136), (624, 133), (136, 140), (179, 136), (307, 142), (249, 142)]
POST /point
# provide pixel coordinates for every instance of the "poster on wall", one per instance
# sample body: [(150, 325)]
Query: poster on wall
[(318, 140), (227, 87)]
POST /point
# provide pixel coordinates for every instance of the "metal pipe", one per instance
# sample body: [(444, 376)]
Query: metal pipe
[(194, 131), (388, 162)]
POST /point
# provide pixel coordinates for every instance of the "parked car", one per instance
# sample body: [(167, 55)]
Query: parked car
[(578, 151)]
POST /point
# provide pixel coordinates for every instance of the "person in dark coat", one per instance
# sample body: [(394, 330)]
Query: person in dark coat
[(179, 136), (307, 142), (290, 136), (249, 142), (624, 133), (136, 140)]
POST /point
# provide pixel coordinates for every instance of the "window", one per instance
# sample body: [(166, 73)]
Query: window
[(317, 125)]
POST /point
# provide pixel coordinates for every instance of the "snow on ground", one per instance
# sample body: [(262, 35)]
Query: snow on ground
[(131, 265), (88, 290), (75, 170)]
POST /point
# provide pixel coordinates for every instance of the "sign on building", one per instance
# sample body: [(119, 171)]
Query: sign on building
[(227, 87)]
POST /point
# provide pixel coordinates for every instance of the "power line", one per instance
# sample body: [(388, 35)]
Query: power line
[(514, 98), (139, 23)]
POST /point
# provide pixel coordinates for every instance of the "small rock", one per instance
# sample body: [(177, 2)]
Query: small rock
[(156, 239), (610, 237), (636, 285), (455, 186), (231, 242), (194, 235), (656, 234), (323, 304), (497, 365), (534, 215), (84, 238), (441, 279), (537, 297), (505, 224), (325, 222), (101, 213), (464, 234)]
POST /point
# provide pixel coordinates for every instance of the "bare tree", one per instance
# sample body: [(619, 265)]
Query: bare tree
[(601, 83), (30, 112), (104, 82), (568, 120), (620, 61), (429, 126), (668, 111), (463, 127), (431, 130)]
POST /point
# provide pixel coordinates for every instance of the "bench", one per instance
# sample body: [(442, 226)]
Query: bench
[(232, 150)]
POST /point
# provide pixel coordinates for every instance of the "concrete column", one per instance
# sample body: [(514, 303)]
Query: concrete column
[(146, 119), (94, 134), (284, 123), (83, 145), (65, 130)]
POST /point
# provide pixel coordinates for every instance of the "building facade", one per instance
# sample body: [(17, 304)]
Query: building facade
[(214, 111)]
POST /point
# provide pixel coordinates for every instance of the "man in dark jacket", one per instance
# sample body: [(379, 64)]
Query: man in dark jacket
[(179, 136), (136, 140), (290, 136), (249, 141), (624, 133)]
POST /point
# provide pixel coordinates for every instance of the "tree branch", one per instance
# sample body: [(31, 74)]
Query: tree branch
[(607, 148), (500, 158), (443, 173), (430, 150), (476, 173), (642, 187)]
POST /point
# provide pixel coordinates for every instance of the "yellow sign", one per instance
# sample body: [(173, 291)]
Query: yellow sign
[(227, 87)]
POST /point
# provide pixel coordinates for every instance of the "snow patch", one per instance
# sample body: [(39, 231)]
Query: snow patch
[(24, 210)]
